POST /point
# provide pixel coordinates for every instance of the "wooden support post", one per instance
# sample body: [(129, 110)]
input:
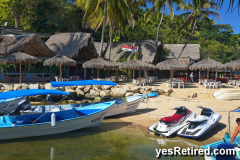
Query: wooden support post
[(139, 74), (85, 73), (231, 74), (20, 72), (216, 76), (108, 73), (60, 67), (171, 77), (133, 72), (68, 71), (204, 74), (97, 72), (207, 74)]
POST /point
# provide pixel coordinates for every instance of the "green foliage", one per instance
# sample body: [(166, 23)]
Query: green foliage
[(165, 52), (7, 68)]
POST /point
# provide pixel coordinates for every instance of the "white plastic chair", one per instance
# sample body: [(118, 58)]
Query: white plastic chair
[(135, 82), (181, 84), (56, 78), (219, 84), (229, 82)]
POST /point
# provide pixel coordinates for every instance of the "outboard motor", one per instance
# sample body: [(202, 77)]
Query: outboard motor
[(22, 105)]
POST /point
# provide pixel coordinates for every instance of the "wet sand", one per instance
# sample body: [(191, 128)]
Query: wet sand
[(149, 113)]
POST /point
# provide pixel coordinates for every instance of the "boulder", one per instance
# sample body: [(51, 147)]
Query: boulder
[(142, 90), (34, 86), (24, 86), (47, 86), (97, 99), (36, 98), (8, 87), (17, 87), (2, 88), (81, 87), (134, 89), (118, 92), (194, 95), (136, 94), (154, 89), (73, 87), (92, 94), (72, 92), (5, 90), (80, 93), (106, 87), (55, 98), (129, 94), (41, 86), (1, 85), (117, 86), (169, 91), (148, 89), (62, 88), (87, 88), (105, 94), (160, 91)]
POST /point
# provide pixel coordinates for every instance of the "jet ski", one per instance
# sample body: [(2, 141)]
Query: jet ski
[(167, 126), (201, 124)]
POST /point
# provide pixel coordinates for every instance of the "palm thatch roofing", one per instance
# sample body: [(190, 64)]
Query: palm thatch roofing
[(99, 63), (30, 44), (59, 59), (234, 65), (172, 64), (207, 64), (136, 64), (18, 57), (79, 46), (146, 48), (191, 51)]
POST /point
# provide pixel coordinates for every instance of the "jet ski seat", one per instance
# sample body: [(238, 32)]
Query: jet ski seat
[(174, 118), (207, 112), (199, 118)]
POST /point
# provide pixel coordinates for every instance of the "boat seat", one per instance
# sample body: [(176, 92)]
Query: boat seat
[(199, 118)]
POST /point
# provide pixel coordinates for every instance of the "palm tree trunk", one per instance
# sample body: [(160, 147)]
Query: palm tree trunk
[(103, 27), (194, 26), (110, 36), (159, 26)]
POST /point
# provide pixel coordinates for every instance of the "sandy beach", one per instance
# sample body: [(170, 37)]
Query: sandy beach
[(149, 113)]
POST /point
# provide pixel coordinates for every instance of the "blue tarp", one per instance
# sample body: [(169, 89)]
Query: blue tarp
[(82, 83), (30, 92)]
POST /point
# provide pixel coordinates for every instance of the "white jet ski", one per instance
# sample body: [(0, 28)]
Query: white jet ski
[(167, 126), (199, 126)]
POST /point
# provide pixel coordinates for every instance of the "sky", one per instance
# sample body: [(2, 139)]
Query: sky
[(232, 18)]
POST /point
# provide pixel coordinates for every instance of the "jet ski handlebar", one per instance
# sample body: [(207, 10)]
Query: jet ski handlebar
[(201, 107), (179, 107)]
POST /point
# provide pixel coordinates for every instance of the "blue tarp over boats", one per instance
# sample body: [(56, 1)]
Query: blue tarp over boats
[(82, 83)]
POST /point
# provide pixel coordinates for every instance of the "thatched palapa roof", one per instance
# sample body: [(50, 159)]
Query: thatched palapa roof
[(146, 48), (172, 64), (99, 63), (234, 65), (30, 44), (59, 59), (18, 57), (191, 51), (136, 64), (207, 64), (79, 46)]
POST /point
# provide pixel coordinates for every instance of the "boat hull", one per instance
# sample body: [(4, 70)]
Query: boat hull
[(42, 129), (125, 108)]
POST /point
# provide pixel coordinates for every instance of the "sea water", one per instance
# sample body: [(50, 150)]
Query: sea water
[(112, 140)]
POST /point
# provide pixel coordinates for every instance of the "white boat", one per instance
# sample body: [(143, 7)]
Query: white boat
[(49, 123), (10, 104), (123, 105), (227, 94)]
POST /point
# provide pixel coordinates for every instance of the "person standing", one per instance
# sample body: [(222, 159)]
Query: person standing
[(191, 78)]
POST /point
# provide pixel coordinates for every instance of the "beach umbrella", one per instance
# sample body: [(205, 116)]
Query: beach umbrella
[(60, 60), (100, 63), (233, 66), (206, 65), (134, 64), (21, 59), (172, 64)]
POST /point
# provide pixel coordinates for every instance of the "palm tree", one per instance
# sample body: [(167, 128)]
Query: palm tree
[(199, 9), (158, 6), (231, 4)]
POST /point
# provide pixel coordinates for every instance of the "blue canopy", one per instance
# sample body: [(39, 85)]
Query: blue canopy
[(30, 92), (82, 83)]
